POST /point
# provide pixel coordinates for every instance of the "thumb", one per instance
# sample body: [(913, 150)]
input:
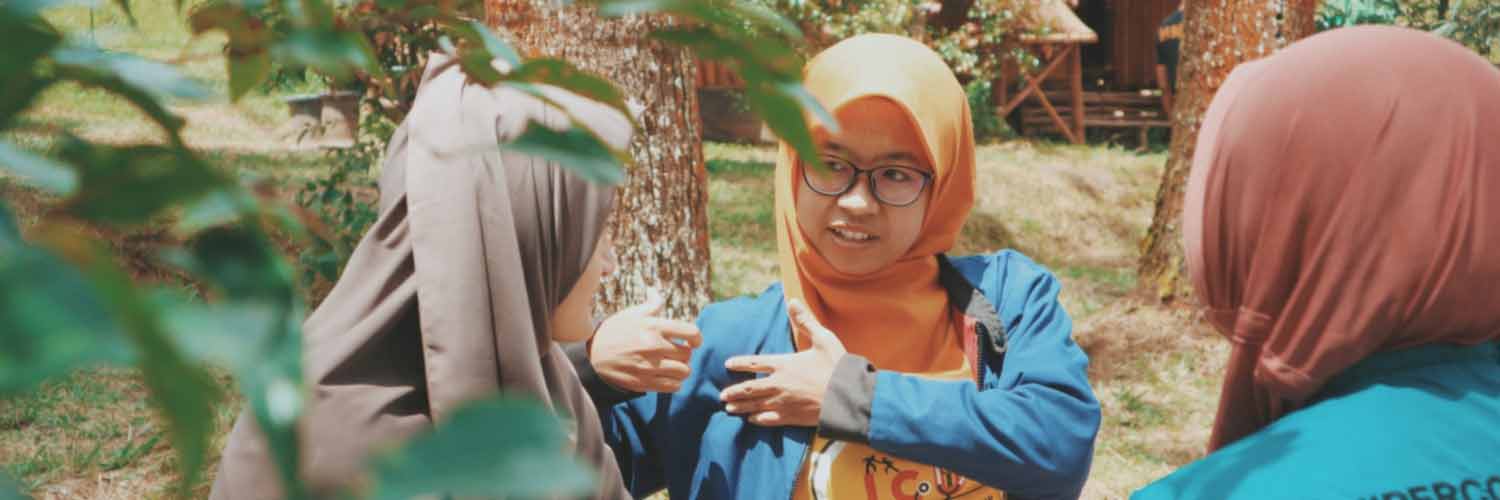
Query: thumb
[(651, 307), (805, 325)]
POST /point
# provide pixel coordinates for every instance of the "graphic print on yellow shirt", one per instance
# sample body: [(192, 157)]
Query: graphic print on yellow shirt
[(850, 471)]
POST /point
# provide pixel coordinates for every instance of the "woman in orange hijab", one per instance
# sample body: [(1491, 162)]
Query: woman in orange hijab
[(886, 369), (1342, 226)]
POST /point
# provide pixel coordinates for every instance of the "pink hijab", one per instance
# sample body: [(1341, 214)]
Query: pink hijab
[(1344, 200)]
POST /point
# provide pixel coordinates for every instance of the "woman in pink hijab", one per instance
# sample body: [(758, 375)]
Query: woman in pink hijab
[(1342, 226)]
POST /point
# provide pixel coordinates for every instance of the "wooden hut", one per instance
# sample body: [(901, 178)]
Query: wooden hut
[(1057, 40), (1118, 74), (1098, 70)]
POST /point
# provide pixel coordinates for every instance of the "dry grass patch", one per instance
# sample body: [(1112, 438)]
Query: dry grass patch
[(94, 435), (1156, 372)]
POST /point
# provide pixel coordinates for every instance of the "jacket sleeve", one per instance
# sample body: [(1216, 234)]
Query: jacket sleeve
[(1031, 436)]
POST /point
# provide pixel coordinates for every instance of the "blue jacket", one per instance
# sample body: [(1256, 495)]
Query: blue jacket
[(1414, 424), (1028, 428)]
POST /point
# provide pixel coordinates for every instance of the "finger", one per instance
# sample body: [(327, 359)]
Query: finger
[(803, 322), (747, 406), (749, 389), (765, 363), (665, 384), (672, 369), (674, 351), (678, 332), (767, 419), (809, 331)]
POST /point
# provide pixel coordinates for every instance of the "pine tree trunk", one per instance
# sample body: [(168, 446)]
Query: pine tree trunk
[(1300, 20), (1219, 34), (660, 219)]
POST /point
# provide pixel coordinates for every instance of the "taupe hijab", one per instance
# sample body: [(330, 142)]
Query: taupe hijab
[(448, 298), (1344, 200)]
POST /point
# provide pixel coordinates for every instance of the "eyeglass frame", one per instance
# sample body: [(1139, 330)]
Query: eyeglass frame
[(870, 175)]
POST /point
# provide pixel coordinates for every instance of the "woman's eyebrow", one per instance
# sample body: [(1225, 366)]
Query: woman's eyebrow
[(899, 156)]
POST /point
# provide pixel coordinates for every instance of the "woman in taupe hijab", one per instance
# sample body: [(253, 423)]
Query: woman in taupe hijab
[(481, 259)]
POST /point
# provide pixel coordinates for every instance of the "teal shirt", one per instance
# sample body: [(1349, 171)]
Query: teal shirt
[(1415, 424)]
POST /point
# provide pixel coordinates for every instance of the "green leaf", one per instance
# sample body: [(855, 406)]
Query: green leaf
[(314, 14), (144, 83), (159, 80), (243, 263), (753, 56), (246, 32), (30, 9), (810, 104), (246, 72), (17, 93), (260, 342), (337, 54), (500, 447), (128, 185), (575, 148), (130, 16), (37, 171), (481, 35), (234, 334), (562, 74), (28, 39), (476, 64), (184, 393), (9, 490), (216, 209), (10, 233), (256, 332), (766, 17), (783, 114), (275, 393), (55, 321)]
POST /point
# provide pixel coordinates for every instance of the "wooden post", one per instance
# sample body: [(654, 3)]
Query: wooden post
[(1075, 80)]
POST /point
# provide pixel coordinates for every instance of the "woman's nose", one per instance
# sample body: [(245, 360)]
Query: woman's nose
[(858, 199)]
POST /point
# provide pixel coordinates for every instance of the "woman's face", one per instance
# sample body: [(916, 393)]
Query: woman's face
[(855, 232), (573, 320)]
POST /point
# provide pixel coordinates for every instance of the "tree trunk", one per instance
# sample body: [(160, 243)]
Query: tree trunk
[(660, 219), (1300, 20), (1219, 34)]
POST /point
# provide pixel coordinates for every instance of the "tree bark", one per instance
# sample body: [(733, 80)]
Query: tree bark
[(1218, 35), (1300, 20), (660, 222)]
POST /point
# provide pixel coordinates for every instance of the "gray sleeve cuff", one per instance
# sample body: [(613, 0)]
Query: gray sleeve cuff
[(602, 393), (846, 405)]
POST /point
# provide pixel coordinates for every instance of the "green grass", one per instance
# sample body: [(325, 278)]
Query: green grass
[(91, 434)]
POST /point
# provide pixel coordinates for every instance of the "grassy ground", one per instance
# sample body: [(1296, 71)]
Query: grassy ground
[(1078, 210)]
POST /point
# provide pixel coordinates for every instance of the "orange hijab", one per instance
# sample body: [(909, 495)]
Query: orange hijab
[(899, 317)]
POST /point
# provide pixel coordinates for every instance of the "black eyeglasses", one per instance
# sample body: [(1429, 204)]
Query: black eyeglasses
[(894, 186)]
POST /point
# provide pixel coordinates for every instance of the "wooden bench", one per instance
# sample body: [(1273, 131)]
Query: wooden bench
[(1140, 110)]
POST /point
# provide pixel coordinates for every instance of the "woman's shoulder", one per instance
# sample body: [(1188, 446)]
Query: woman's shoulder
[(1001, 272)]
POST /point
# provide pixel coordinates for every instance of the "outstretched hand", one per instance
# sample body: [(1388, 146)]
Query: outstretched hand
[(637, 350), (792, 392)]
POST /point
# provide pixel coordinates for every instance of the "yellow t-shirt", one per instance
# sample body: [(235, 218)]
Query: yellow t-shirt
[(841, 470)]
